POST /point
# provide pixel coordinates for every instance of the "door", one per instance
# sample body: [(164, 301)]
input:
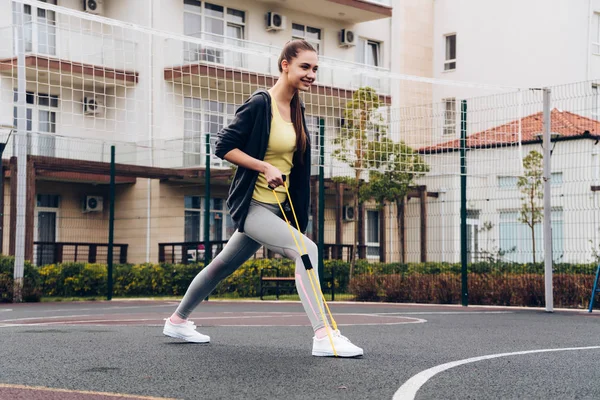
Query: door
[(47, 235)]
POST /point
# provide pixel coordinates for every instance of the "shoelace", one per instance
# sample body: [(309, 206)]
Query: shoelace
[(188, 322), (337, 333)]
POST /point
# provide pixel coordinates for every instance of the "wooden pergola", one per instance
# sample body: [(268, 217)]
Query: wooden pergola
[(418, 192), (69, 170)]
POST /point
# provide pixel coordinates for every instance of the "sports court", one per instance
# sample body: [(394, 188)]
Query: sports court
[(103, 350)]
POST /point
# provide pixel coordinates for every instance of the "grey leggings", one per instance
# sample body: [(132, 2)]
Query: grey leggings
[(263, 227)]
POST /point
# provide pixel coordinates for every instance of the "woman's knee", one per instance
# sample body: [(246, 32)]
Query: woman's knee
[(311, 248)]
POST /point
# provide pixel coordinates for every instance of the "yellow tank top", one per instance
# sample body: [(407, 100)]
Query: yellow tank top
[(280, 153)]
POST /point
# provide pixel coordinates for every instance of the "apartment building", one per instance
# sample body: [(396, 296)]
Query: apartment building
[(517, 44), (157, 79)]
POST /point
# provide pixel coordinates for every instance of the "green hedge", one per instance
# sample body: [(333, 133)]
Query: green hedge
[(570, 290), (489, 284), (31, 281)]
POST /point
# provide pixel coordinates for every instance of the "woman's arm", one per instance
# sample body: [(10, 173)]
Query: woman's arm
[(272, 174)]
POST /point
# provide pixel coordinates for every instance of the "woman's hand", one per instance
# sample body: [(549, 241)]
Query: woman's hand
[(273, 175)]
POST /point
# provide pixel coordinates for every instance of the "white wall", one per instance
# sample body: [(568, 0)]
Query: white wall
[(515, 43), (579, 205)]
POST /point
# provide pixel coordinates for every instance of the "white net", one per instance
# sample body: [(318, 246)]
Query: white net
[(89, 82)]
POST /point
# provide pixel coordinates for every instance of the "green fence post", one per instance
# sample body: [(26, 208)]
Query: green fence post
[(321, 213), (207, 246), (463, 202), (111, 224)]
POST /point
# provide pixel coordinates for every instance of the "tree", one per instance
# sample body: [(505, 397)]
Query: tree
[(492, 253), (531, 186), (353, 144), (394, 167)]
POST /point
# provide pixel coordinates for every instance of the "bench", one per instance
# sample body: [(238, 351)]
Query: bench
[(274, 281)]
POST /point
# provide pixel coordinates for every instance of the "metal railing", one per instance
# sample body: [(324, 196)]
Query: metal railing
[(57, 252)]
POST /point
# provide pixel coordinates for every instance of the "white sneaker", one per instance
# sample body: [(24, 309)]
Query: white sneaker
[(185, 331), (343, 346)]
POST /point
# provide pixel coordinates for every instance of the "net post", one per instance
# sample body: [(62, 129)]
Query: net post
[(463, 203)]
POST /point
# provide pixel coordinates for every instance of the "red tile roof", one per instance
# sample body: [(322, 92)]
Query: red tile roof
[(565, 123)]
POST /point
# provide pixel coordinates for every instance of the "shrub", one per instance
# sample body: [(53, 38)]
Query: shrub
[(31, 291), (364, 288)]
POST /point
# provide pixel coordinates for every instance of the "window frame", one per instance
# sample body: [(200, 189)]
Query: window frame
[(368, 244), (363, 48), (595, 43), (35, 136), (226, 111), (194, 52), (225, 218), (449, 126), (35, 25), (313, 42), (522, 235), (450, 64)]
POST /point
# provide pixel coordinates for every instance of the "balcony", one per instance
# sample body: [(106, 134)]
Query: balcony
[(351, 11), (62, 56), (208, 60)]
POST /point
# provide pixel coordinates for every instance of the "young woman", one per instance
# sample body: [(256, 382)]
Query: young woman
[(268, 141)]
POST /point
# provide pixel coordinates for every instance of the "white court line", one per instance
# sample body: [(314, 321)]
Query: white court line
[(409, 389), (106, 308), (446, 312), (6, 309), (3, 324)]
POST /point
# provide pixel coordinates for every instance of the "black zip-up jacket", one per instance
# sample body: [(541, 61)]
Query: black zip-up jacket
[(249, 131)]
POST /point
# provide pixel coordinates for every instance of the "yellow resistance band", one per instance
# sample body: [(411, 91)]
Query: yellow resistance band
[(308, 271)]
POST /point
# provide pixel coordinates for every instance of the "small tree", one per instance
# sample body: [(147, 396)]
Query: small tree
[(492, 253), (531, 186), (353, 144), (394, 167)]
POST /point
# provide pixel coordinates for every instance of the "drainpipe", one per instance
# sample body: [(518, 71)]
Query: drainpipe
[(596, 167), (442, 192), (589, 42), (150, 133)]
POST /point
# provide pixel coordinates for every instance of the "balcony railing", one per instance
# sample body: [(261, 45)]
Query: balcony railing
[(84, 46), (260, 58)]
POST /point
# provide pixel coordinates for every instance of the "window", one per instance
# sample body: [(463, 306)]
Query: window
[(450, 63), (46, 228), (203, 117), (216, 24), (449, 117), (595, 107), (41, 110), (221, 224), (308, 33), (507, 182), (510, 182), (40, 28), (515, 238), (314, 124), (596, 34), (372, 233), (472, 236), (368, 52)]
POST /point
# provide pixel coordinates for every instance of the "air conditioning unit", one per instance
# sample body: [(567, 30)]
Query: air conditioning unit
[(94, 6), (92, 106), (93, 204), (275, 21), (347, 38), (349, 213)]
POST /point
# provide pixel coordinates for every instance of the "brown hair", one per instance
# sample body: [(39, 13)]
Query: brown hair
[(289, 52)]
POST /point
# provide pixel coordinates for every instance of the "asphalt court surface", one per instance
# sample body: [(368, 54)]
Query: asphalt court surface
[(262, 350)]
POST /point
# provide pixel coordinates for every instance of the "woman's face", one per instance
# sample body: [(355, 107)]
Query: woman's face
[(302, 71)]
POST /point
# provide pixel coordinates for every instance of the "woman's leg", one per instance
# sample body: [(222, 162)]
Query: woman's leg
[(264, 225), (238, 249)]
